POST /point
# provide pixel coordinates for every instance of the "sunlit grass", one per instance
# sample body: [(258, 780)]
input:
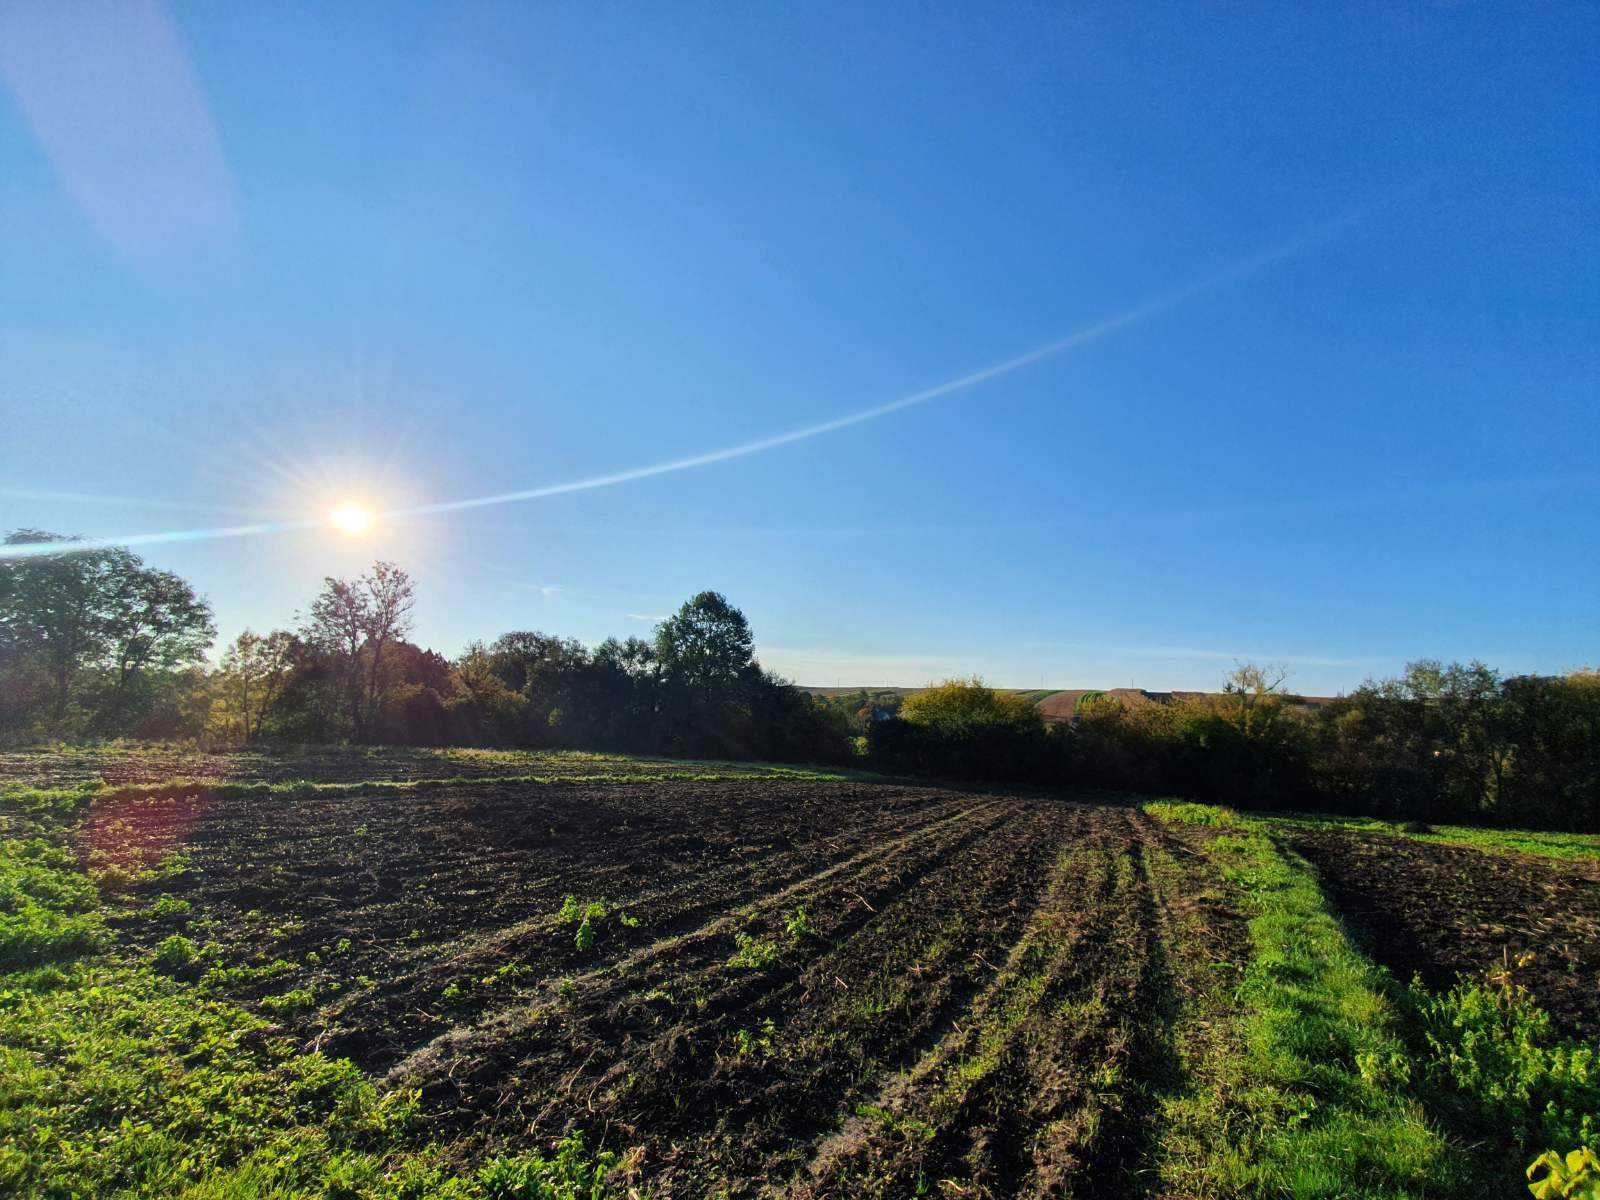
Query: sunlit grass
[(1297, 1091), (1497, 841)]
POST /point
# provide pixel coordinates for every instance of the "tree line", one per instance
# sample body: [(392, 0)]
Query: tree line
[(94, 643), (1441, 743)]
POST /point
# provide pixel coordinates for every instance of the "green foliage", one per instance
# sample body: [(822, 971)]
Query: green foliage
[(1560, 846), (588, 916), (584, 938), (1574, 1176), (87, 639), (116, 1080), (910, 1128), (168, 907), (798, 924), (962, 729), (760, 1043), (47, 908), (1193, 814), (704, 648), (290, 1003), (1496, 1064), (754, 953), (570, 1174), (124, 1080), (960, 704), (175, 952)]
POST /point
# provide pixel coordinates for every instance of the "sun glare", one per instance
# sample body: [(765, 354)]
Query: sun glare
[(353, 520)]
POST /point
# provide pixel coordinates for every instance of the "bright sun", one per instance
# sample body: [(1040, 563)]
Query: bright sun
[(352, 520)]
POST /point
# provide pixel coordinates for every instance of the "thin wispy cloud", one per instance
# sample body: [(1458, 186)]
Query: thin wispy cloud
[(646, 616)]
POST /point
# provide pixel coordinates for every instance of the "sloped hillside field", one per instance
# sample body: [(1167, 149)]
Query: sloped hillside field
[(697, 981)]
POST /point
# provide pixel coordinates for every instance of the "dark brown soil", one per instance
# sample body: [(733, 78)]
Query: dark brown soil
[(1440, 911), (803, 988)]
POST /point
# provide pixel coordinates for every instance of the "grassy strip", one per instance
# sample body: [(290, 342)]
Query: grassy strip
[(1299, 1089), (1193, 814), (1561, 846), (119, 1081)]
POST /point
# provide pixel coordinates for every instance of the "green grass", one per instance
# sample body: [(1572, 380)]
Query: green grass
[(1569, 846), (1298, 1092), (48, 910), (1193, 814), (1402, 1091), (118, 1080)]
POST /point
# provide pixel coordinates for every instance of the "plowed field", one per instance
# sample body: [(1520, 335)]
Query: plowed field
[(501, 975), (814, 989)]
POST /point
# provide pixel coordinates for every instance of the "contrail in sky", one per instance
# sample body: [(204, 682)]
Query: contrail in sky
[(1090, 333), (1140, 312)]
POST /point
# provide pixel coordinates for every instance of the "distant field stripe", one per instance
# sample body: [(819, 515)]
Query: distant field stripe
[(1580, 847)]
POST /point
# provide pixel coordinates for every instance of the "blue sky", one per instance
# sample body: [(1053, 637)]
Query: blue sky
[(262, 260)]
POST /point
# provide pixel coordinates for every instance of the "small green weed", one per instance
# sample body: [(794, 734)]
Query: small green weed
[(584, 938), (290, 1003), (753, 953), (758, 1043), (799, 925), (175, 952), (168, 907), (908, 1127)]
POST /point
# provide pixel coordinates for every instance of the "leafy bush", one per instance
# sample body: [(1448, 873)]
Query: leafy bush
[(174, 953), (169, 907), (1499, 1069), (1575, 1176)]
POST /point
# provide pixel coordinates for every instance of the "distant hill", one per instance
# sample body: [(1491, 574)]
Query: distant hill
[(1062, 705)]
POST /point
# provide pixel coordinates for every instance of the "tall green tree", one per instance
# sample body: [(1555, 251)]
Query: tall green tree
[(250, 678), (703, 653), (83, 631), (705, 646)]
